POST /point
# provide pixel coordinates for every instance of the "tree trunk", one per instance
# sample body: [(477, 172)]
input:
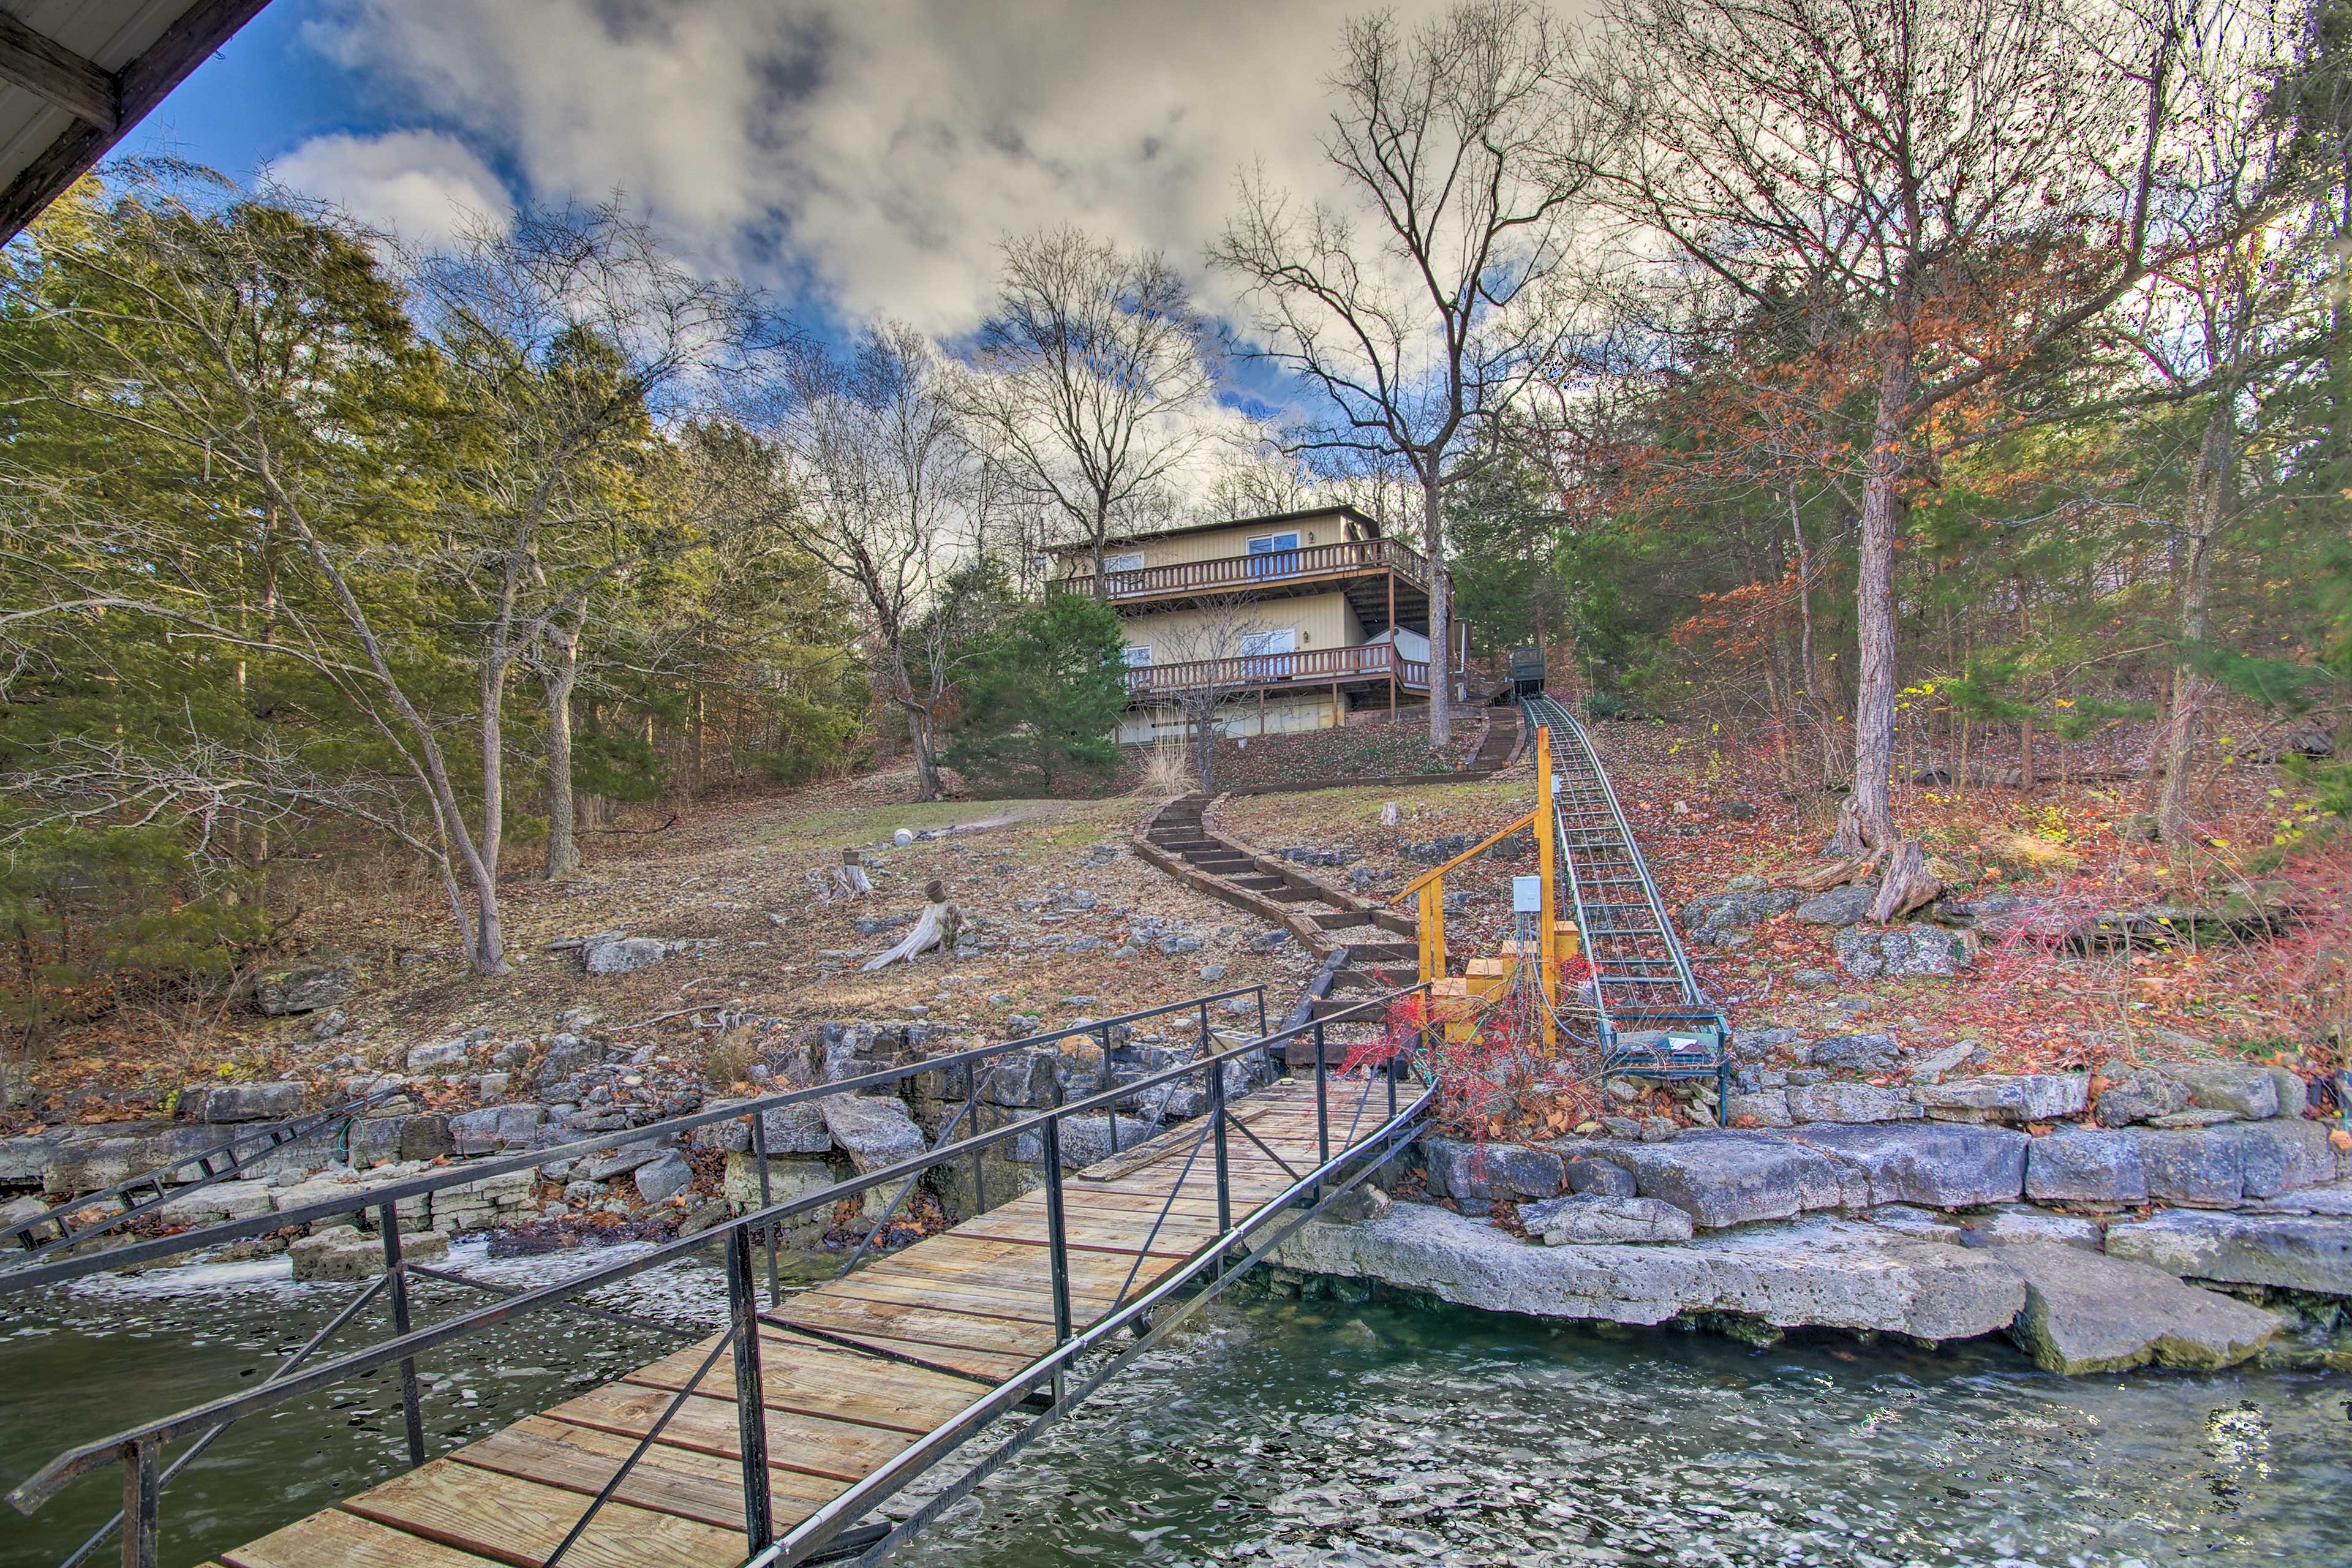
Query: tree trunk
[(2210, 487), (1872, 815), (1441, 608), (563, 842), (927, 762)]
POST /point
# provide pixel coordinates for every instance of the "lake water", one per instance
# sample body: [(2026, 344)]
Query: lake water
[(1311, 1433)]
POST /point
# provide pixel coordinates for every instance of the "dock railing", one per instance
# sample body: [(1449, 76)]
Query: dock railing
[(139, 1449)]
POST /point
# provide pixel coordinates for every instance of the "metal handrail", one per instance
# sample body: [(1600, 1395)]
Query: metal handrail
[(270, 1139), (139, 1444), (39, 1274)]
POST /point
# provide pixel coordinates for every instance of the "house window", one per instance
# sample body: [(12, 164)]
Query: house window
[(1256, 645), (1135, 654), (1274, 554), (1133, 561)]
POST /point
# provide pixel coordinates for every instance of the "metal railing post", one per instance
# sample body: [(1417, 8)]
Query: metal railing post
[(1217, 1116), (751, 1391), (767, 1230), (412, 1410), (1261, 1012), (1104, 1082), (141, 1490), (1322, 1109), (1057, 1239)]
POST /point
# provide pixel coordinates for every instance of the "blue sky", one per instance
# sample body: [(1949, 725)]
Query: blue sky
[(861, 158)]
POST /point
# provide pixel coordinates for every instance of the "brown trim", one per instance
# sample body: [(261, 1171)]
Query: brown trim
[(140, 86), (1340, 509)]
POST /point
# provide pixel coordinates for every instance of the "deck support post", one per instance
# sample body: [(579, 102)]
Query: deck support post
[(1393, 647), (411, 1410), (142, 1489), (751, 1391)]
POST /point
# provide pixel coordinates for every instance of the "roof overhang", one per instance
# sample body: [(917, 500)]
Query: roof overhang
[(76, 76), (1370, 525)]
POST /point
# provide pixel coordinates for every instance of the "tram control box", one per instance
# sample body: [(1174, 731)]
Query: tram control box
[(1527, 671)]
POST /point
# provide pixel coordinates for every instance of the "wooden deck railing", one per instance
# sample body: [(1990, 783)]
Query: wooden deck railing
[(1251, 672), (1242, 573)]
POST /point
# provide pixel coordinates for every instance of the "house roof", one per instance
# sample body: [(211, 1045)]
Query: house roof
[(1371, 526), (76, 75)]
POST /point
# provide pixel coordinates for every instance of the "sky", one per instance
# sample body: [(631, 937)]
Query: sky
[(861, 159)]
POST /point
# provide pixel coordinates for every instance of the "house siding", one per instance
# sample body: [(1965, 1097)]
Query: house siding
[(1321, 620)]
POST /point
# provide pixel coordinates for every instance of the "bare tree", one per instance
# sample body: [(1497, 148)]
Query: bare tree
[(1422, 312), (568, 336), (882, 491), (1085, 378), (1212, 646), (1883, 160)]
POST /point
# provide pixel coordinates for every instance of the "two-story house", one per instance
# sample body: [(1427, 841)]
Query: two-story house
[(1286, 622)]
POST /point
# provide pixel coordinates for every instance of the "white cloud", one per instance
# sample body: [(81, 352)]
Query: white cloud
[(422, 186), (871, 151)]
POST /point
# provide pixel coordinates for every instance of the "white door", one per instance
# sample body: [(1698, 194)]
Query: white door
[(1269, 652)]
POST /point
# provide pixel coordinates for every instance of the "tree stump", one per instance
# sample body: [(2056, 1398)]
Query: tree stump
[(1908, 883), (936, 928)]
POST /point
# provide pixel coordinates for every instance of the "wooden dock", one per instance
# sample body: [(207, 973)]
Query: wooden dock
[(854, 1371)]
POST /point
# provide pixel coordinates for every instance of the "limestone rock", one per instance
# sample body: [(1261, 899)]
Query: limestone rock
[(2085, 1166), (620, 1161), (252, 1101), (1831, 1272), (2011, 1224), (495, 1127), (620, 955), (437, 1057), (664, 1177), (788, 1180), (1086, 1140), (1837, 907), (2297, 1252), (2216, 1167), (346, 1254), (1729, 1177), (2140, 1095), (875, 1129), (2027, 1097), (1857, 1053), (1910, 948), (304, 988), (1737, 910), (2247, 1089), (1763, 1108), (1580, 1219), (1938, 1164), (2087, 1313), (1850, 1102), (1480, 1173)]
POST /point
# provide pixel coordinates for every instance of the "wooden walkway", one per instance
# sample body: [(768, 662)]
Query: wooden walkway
[(854, 1371)]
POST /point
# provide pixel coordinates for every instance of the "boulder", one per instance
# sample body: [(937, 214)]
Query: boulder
[(2250, 1091), (304, 988), (1950, 1060), (2024, 1097), (1581, 1218), (1837, 907), (876, 1129), (620, 955), (788, 1180), (1021, 1080), (1836, 1273), (1737, 909), (1480, 1173), (1597, 1177), (2293, 1252), (2088, 1313), (1943, 1165), (1727, 1177), (1857, 1053), (85, 1164), (664, 1177), (1850, 1102), (252, 1101), (1910, 948), (797, 1128), (2084, 1165), (439, 1058), (613, 1162)]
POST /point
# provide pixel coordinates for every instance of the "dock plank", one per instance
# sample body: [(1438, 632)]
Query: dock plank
[(518, 1523), (334, 1539)]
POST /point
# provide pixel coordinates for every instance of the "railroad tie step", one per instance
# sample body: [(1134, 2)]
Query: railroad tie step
[(1259, 884)]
